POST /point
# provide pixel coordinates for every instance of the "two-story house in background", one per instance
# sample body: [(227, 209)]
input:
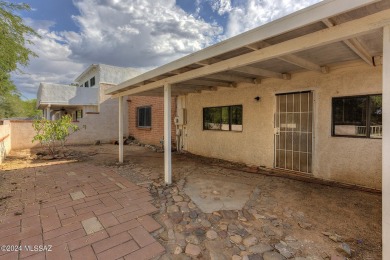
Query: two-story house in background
[(95, 113)]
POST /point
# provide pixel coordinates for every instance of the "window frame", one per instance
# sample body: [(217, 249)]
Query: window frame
[(86, 84), (79, 114), (230, 118), (368, 116), (94, 82), (138, 116)]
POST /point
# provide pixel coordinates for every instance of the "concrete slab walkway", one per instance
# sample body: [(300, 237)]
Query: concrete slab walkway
[(75, 211), (211, 194)]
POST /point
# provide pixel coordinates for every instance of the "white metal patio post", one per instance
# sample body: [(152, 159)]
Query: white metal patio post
[(120, 137), (48, 113), (167, 134), (386, 144)]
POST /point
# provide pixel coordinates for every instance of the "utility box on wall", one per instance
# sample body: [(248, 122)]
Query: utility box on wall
[(181, 118)]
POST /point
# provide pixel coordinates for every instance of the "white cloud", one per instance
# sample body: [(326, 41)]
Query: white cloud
[(52, 65), (138, 33), (39, 24), (221, 6), (130, 33), (252, 13)]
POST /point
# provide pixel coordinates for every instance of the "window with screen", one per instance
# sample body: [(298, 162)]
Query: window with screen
[(226, 118), (144, 117), (357, 116)]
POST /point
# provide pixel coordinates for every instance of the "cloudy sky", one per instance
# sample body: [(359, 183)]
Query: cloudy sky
[(133, 33)]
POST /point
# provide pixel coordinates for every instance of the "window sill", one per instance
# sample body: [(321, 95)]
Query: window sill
[(144, 128), (360, 137), (228, 131)]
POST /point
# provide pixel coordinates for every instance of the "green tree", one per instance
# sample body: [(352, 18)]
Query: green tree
[(14, 106), (29, 109), (7, 93), (53, 134), (14, 37)]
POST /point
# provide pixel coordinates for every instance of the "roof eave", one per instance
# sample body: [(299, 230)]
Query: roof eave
[(92, 66), (309, 15), (58, 103)]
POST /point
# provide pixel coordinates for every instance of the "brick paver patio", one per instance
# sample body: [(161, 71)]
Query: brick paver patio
[(75, 211)]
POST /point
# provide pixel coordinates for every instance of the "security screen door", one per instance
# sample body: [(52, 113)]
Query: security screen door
[(293, 131)]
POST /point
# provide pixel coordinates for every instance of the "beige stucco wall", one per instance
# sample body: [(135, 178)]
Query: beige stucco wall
[(5, 140), (348, 160), (22, 133), (102, 126), (62, 95)]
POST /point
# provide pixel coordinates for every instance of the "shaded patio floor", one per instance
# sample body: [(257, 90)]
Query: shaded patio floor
[(280, 218)]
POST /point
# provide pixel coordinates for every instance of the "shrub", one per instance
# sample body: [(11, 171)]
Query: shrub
[(53, 134)]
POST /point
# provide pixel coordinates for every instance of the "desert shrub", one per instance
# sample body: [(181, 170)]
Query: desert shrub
[(54, 134)]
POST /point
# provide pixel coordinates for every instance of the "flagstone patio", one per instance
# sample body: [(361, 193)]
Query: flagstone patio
[(75, 211)]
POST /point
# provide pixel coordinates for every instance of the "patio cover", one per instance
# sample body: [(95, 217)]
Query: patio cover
[(314, 38), (330, 32)]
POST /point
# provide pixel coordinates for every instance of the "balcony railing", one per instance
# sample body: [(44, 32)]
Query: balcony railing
[(375, 131)]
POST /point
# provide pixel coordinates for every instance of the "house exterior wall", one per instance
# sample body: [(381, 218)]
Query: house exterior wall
[(94, 72), (156, 132), (107, 74), (59, 95), (348, 160), (103, 125), (100, 119), (115, 75)]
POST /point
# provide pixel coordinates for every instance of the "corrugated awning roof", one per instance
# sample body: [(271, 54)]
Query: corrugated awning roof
[(314, 38)]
